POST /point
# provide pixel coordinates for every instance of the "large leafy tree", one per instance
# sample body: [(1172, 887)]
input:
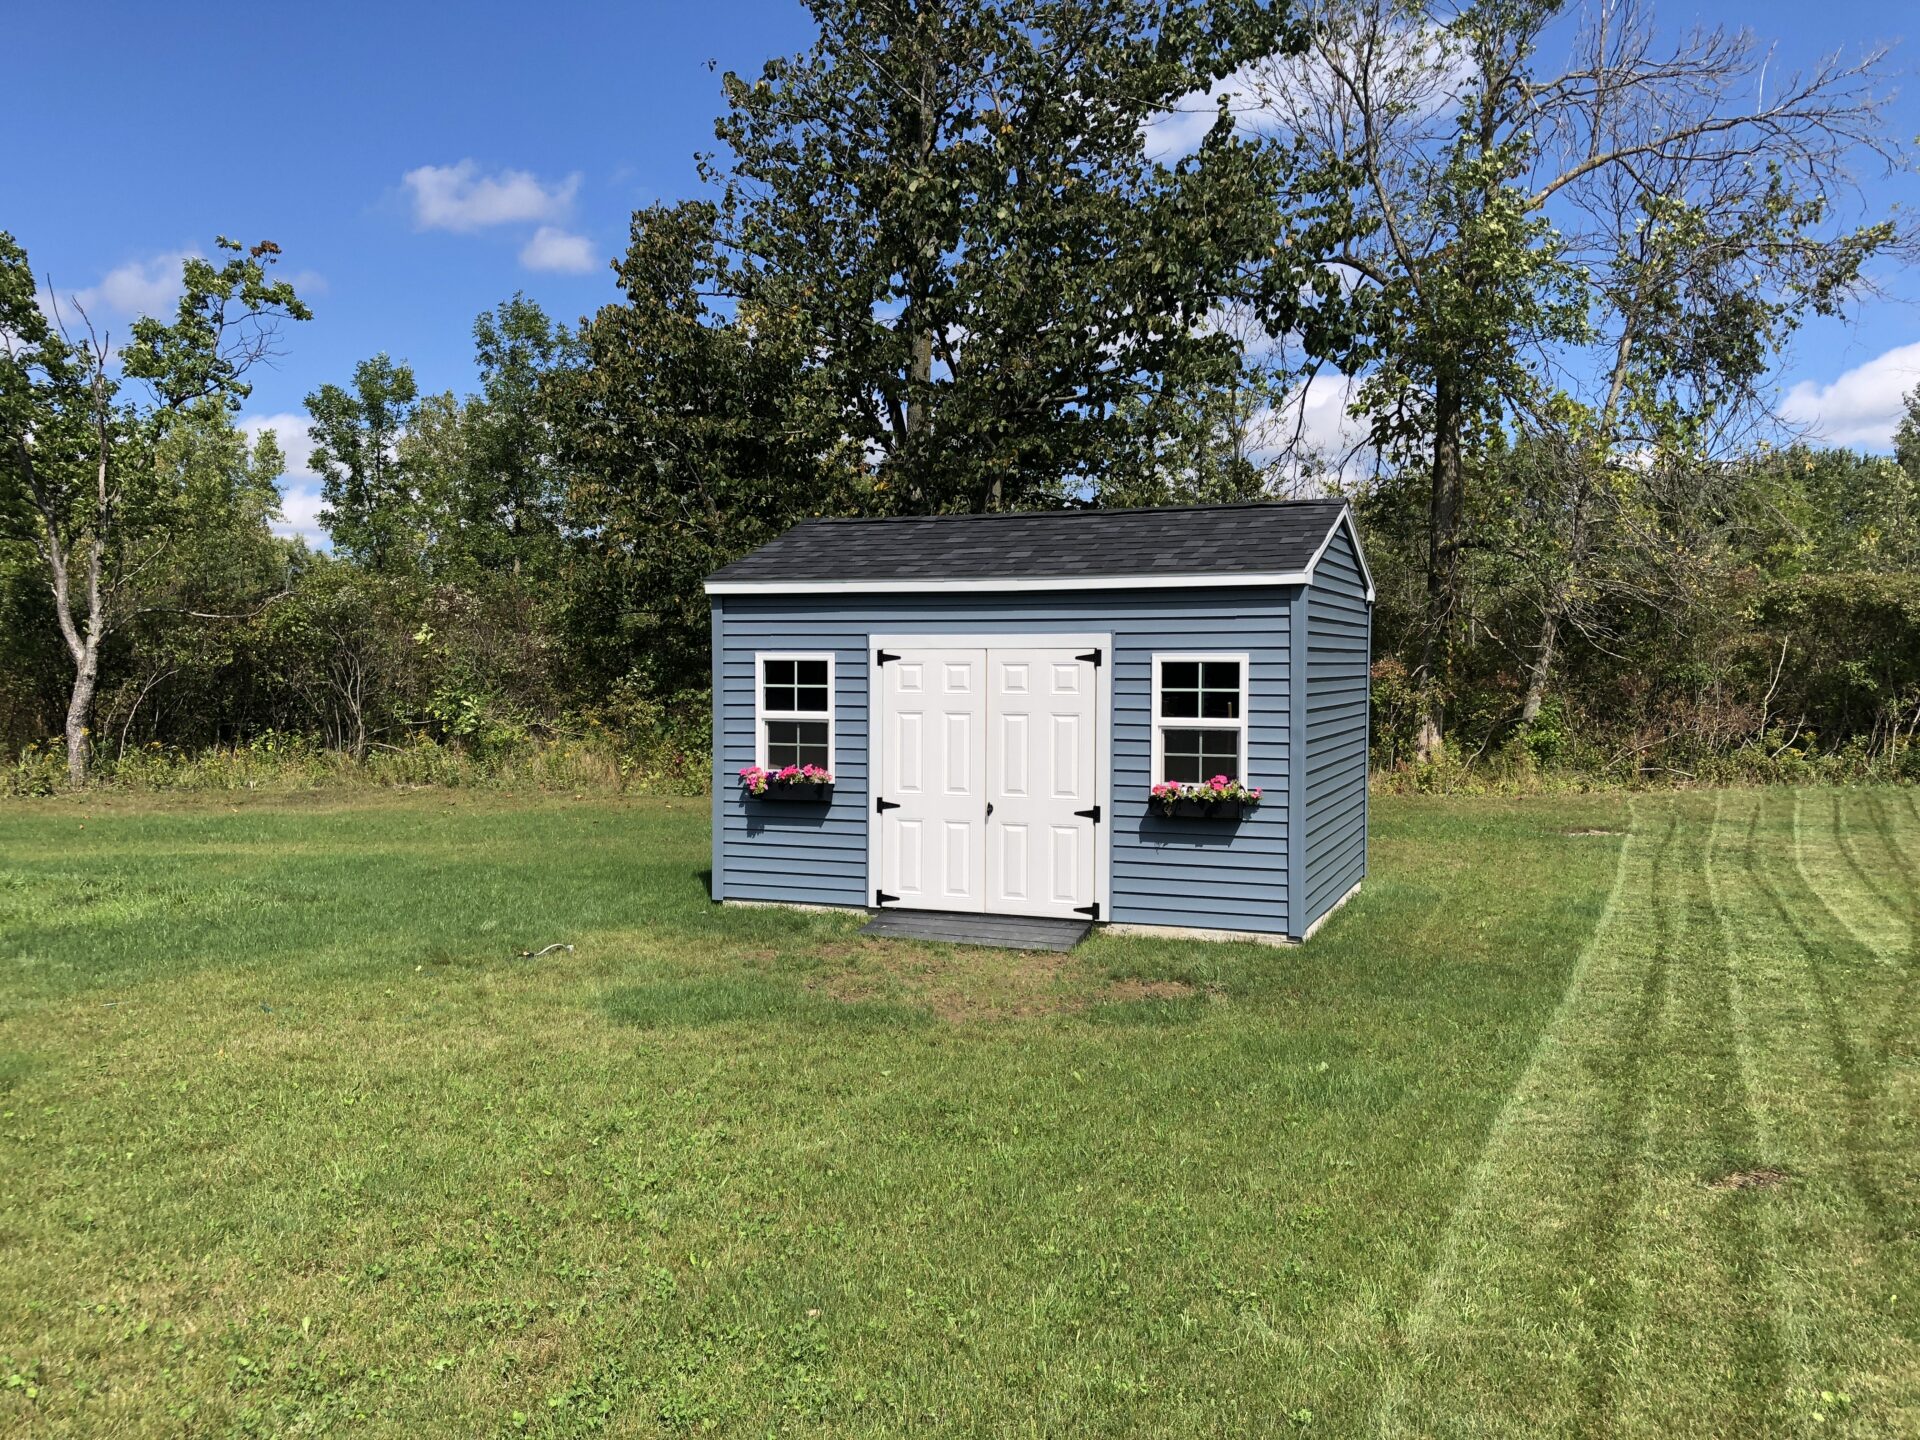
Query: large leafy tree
[(956, 201), (371, 508), (1607, 254), (182, 656), (505, 506), (690, 433), (83, 478)]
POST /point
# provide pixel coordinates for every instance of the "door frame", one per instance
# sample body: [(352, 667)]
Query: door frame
[(1011, 639)]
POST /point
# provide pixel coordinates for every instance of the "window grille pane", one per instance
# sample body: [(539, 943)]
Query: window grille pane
[(1180, 689), (1220, 690), (777, 688), (1192, 756), (791, 686), (1193, 690), (796, 742)]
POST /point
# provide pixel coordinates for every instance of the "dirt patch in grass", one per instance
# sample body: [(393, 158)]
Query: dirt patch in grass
[(954, 983), (1580, 834), (1150, 990), (1762, 1177)]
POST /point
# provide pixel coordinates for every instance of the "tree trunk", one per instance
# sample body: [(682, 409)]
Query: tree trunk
[(1540, 669), (79, 706), (1443, 564)]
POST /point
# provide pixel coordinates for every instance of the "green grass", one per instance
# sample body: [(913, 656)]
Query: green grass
[(1546, 1133)]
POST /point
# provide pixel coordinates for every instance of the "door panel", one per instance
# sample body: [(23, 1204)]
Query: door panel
[(1041, 768), (932, 766)]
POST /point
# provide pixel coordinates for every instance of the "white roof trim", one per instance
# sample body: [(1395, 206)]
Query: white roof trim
[(1345, 517), (1001, 582), (1055, 582)]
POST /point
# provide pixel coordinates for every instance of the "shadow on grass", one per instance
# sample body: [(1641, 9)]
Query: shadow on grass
[(707, 1000)]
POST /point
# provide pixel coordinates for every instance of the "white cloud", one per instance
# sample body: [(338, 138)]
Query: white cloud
[(1320, 412), (552, 248), (300, 489), (307, 284), (459, 197), (1863, 406), (1179, 131), (300, 507), (1312, 438), (1418, 68), (139, 287)]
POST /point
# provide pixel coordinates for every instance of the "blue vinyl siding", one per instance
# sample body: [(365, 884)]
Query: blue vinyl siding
[(1164, 872), (1334, 781)]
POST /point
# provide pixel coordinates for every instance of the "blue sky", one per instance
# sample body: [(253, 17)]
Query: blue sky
[(420, 163)]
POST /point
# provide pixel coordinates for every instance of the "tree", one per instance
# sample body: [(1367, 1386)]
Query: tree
[(77, 461), (689, 436), (954, 200), (515, 494), (371, 508), (183, 643), (1611, 253)]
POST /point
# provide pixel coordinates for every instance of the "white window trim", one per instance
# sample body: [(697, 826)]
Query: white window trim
[(1163, 723), (761, 714)]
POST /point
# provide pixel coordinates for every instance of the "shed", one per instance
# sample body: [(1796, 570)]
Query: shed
[(995, 697)]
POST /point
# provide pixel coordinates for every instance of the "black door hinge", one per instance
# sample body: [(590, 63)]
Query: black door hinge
[(880, 807), (1092, 657), (883, 656), (1092, 912), (1093, 814), (880, 897)]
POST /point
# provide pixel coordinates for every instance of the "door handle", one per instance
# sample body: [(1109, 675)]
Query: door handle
[(989, 808)]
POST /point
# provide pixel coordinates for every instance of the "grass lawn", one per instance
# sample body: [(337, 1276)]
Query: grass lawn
[(1548, 1132)]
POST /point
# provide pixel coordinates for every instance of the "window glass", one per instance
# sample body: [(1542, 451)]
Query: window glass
[(796, 686), (796, 742), (1220, 689), (1193, 689), (1193, 756)]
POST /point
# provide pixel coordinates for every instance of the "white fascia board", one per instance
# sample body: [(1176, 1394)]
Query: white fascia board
[(1345, 517), (1005, 582)]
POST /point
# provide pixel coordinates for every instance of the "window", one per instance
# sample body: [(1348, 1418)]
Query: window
[(796, 711), (1199, 717)]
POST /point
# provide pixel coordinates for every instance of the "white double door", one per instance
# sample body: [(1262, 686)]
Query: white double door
[(987, 779)]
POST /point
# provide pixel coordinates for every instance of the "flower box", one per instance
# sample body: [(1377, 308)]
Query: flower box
[(794, 794), (1221, 798), (1207, 809), (792, 784)]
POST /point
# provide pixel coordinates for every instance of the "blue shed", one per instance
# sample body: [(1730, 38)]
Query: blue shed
[(996, 697)]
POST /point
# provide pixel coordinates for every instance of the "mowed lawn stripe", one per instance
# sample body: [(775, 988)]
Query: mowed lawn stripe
[(1859, 995), (1849, 1366), (1673, 1145), (1492, 1342), (1697, 1349), (1852, 1177), (1827, 859)]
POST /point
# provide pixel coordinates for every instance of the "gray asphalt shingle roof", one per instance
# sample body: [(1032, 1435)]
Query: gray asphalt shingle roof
[(1264, 538)]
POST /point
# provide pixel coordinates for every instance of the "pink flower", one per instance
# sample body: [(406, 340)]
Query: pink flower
[(1220, 782)]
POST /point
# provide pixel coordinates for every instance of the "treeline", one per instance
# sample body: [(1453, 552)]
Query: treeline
[(995, 254)]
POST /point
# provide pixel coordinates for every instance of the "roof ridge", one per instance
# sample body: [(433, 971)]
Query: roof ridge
[(1091, 512)]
